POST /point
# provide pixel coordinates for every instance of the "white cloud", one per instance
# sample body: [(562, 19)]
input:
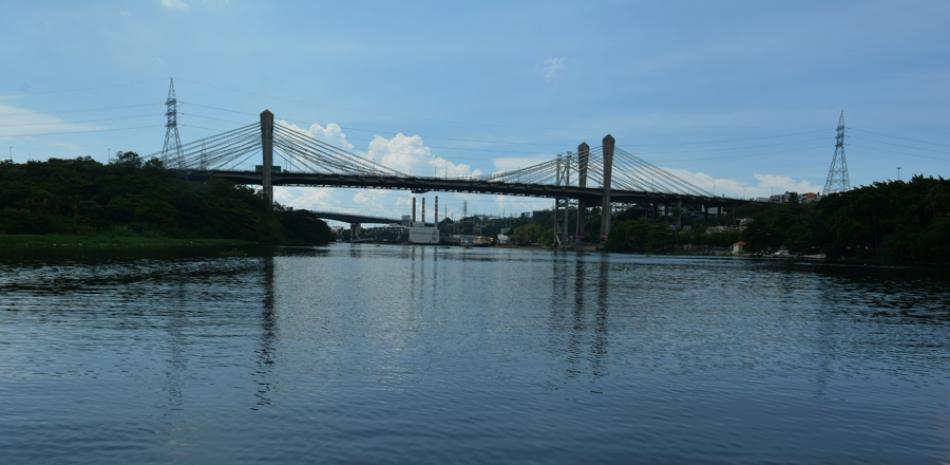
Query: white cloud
[(782, 183), (410, 155), (176, 5), (508, 205), (371, 199), (332, 133), (18, 121), (553, 67), (764, 185), (310, 198), (402, 153)]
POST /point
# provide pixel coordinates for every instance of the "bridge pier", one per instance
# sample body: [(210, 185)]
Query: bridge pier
[(355, 231), (583, 156), (679, 214), (608, 147), (267, 147)]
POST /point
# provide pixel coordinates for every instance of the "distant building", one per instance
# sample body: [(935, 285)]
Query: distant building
[(419, 234), (809, 197), (503, 237), (787, 197)]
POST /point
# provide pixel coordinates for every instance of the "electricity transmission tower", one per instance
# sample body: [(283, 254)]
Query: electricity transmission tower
[(172, 139), (838, 180)]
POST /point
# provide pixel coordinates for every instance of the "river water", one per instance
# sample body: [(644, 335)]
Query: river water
[(390, 354)]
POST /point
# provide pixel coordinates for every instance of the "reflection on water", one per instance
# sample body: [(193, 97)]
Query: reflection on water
[(268, 333), (363, 353)]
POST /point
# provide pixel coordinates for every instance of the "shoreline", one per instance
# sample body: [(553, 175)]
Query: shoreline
[(31, 242)]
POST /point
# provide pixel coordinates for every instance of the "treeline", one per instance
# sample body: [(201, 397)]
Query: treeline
[(645, 236), (134, 197), (888, 222)]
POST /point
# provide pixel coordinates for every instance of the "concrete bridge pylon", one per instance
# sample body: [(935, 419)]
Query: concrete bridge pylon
[(608, 148), (267, 165)]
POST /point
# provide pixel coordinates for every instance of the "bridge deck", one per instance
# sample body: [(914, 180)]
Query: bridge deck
[(590, 195)]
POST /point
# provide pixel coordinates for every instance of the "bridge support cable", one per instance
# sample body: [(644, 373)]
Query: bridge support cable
[(640, 179), (313, 157), (196, 146), (315, 160), (677, 185), (603, 174), (216, 149), (326, 159), (539, 173), (544, 169), (222, 153), (327, 156)]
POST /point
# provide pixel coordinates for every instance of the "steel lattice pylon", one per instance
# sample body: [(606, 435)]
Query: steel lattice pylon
[(838, 179), (172, 139)]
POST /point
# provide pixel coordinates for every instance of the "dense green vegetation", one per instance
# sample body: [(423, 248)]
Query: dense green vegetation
[(132, 198), (648, 236), (894, 222)]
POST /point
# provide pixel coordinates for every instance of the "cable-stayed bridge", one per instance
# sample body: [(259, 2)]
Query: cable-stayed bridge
[(270, 154)]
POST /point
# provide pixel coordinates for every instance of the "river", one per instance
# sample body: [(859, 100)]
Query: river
[(392, 354)]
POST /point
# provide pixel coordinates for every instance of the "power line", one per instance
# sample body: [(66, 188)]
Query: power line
[(81, 89), (747, 155), (533, 154), (212, 107), (183, 125), (924, 149), (197, 115), (915, 155), (881, 134), (377, 131), (349, 128), (80, 110), (741, 139), (79, 132), (97, 120)]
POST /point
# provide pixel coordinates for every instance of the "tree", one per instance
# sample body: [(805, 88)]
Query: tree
[(526, 234), (128, 159)]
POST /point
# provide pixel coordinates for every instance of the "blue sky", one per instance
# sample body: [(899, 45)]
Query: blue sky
[(741, 97)]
